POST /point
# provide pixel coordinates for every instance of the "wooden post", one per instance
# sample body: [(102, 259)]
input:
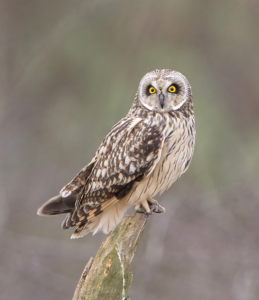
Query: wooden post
[(108, 276)]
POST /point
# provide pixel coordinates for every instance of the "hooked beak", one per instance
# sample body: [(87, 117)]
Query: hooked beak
[(162, 98)]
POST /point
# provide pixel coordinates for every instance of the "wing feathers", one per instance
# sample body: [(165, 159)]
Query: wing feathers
[(79, 181), (129, 153)]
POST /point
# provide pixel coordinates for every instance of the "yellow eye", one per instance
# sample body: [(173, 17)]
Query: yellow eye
[(152, 90), (172, 89)]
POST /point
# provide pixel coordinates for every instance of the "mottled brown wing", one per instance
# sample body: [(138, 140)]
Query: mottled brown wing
[(128, 153), (120, 164), (79, 181), (113, 137)]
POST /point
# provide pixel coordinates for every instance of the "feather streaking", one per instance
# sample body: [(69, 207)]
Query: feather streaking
[(142, 155)]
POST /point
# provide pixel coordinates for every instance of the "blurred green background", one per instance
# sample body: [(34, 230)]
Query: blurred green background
[(69, 71)]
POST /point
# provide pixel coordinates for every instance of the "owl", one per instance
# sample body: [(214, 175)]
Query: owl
[(141, 156)]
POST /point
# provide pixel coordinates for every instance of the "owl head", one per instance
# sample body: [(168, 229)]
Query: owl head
[(164, 91)]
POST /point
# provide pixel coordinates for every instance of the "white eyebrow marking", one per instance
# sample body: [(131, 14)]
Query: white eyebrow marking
[(141, 91), (183, 80)]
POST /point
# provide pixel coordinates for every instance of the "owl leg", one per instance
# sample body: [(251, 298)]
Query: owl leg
[(143, 207), (148, 206)]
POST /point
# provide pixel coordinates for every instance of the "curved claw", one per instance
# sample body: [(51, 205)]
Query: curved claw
[(157, 208), (149, 207), (140, 209)]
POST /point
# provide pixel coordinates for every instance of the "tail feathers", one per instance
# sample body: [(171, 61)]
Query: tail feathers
[(106, 221), (112, 217), (86, 213), (58, 205), (105, 216), (86, 228)]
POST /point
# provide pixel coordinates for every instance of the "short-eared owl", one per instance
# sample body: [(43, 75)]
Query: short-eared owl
[(142, 155)]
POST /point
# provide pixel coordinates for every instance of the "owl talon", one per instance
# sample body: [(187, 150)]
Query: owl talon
[(140, 209), (155, 206), (149, 206)]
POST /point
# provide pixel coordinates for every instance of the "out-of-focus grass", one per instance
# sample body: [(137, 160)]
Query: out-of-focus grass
[(69, 71)]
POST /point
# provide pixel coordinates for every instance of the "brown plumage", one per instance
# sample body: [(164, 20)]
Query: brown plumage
[(142, 155)]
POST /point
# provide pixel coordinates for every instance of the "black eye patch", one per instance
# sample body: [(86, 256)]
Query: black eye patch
[(150, 90), (174, 88)]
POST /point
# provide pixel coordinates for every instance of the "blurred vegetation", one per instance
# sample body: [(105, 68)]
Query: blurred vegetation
[(68, 72)]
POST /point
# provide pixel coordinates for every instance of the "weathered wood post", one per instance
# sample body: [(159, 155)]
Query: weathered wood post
[(108, 276)]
